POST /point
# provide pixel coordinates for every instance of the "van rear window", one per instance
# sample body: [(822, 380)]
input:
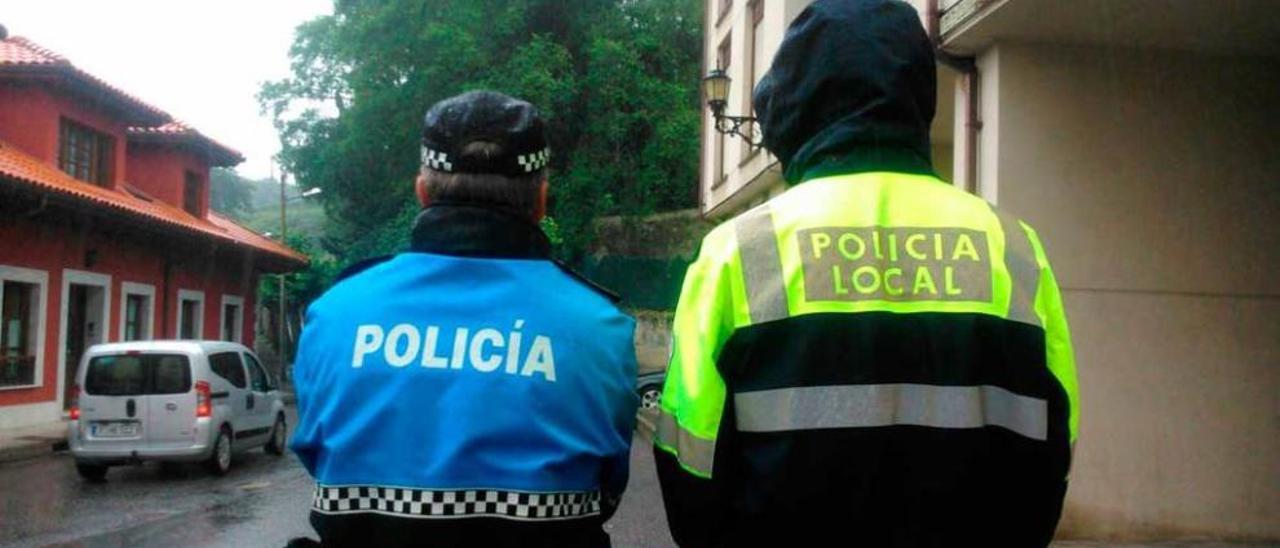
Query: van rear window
[(138, 375)]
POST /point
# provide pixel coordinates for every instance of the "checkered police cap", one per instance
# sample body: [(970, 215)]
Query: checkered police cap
[(512, 124)]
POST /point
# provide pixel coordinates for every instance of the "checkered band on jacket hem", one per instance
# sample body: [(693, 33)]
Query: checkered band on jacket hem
[(433, 504)]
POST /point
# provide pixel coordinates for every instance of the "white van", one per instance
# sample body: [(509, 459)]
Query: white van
[(181, 401)]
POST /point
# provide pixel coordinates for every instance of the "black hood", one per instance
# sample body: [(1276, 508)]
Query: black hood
[(852, 88)]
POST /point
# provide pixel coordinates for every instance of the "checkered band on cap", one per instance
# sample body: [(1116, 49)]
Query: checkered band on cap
[(534, 162), (513, 125), (454, 504), (436, 160)]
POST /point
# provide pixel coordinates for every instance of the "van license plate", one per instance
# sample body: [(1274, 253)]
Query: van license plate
[(115, 429)]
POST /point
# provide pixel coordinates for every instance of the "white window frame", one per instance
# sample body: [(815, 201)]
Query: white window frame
[(189, 295), (146, 290), (39, 278), (222, 318), (79, 277)]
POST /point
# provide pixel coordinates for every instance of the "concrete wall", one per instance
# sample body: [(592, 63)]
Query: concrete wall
[(1152, 178), (652, 339), (673, 235)]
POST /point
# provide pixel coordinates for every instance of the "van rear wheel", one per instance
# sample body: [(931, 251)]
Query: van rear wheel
[(92, 472), (220, 461), (279, 435)]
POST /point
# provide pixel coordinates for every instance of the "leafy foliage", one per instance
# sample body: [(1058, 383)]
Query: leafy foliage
[(300, 289), (229, 193), (304, 286), (616, 80)]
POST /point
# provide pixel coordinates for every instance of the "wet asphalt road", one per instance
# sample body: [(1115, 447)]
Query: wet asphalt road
[(262, 502)]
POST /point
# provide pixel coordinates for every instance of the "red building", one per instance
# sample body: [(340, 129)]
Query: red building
[(105, 230)]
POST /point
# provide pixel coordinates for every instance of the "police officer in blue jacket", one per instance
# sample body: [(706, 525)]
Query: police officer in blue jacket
[(470, 391)]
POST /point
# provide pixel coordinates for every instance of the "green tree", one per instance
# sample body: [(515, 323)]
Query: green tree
[(616, 79), (301, 288), (229, 193)]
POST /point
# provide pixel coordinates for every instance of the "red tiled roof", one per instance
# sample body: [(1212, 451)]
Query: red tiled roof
[(21, 167), (177, 131), (250, 238), (172, 128), (18, 53), (17, 50)]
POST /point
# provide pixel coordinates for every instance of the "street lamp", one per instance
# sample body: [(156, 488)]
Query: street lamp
[(716, 89)]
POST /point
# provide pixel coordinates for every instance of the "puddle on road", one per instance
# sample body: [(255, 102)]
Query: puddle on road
[(220, 504), (254, 486)]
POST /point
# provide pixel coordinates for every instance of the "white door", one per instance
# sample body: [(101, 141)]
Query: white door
[(236, 395), (264, 396), (113, 403), (171, 401)]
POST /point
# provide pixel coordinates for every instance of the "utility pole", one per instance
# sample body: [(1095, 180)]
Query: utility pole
[(284, 316)]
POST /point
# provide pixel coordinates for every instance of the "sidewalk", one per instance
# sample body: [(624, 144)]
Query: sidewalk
[(32, 441)]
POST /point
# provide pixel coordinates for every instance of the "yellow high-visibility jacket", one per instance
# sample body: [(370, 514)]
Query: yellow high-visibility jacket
[(878, 356)]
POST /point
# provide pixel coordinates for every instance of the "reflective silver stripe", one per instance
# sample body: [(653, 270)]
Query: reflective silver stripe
[(871, 405), (761, 265), (1020, 257), (693, 451)]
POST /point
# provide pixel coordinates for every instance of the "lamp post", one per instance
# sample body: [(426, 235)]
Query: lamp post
[(284, 227), (715, 87), (280, 330)]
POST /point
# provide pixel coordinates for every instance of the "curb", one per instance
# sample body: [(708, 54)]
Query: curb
[(31, 450)]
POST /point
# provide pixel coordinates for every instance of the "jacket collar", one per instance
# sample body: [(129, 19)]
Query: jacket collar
[(465, 230), (862, 160)]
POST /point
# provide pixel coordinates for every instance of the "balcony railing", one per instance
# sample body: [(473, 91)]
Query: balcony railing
[(956, 12)]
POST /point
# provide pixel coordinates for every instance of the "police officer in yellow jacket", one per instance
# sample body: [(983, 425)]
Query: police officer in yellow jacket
[(875, 357)]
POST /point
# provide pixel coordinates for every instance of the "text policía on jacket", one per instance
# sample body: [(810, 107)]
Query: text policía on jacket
[(486, 349)]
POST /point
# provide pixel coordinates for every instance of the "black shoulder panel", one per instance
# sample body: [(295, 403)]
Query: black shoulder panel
[(361, 266), (613, 297)]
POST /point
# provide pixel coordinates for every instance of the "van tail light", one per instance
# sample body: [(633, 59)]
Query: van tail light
[(75, 402), (204, 400)]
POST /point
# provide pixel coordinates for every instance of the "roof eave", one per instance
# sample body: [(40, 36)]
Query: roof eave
[(217, 154), (276, 261), (280, 265), (138, 113)]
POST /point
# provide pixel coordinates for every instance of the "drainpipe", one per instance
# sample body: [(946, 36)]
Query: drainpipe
[(164, 298), (968, 68)]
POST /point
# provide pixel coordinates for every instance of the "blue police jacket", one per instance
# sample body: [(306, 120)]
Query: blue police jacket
[(471, 377)]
